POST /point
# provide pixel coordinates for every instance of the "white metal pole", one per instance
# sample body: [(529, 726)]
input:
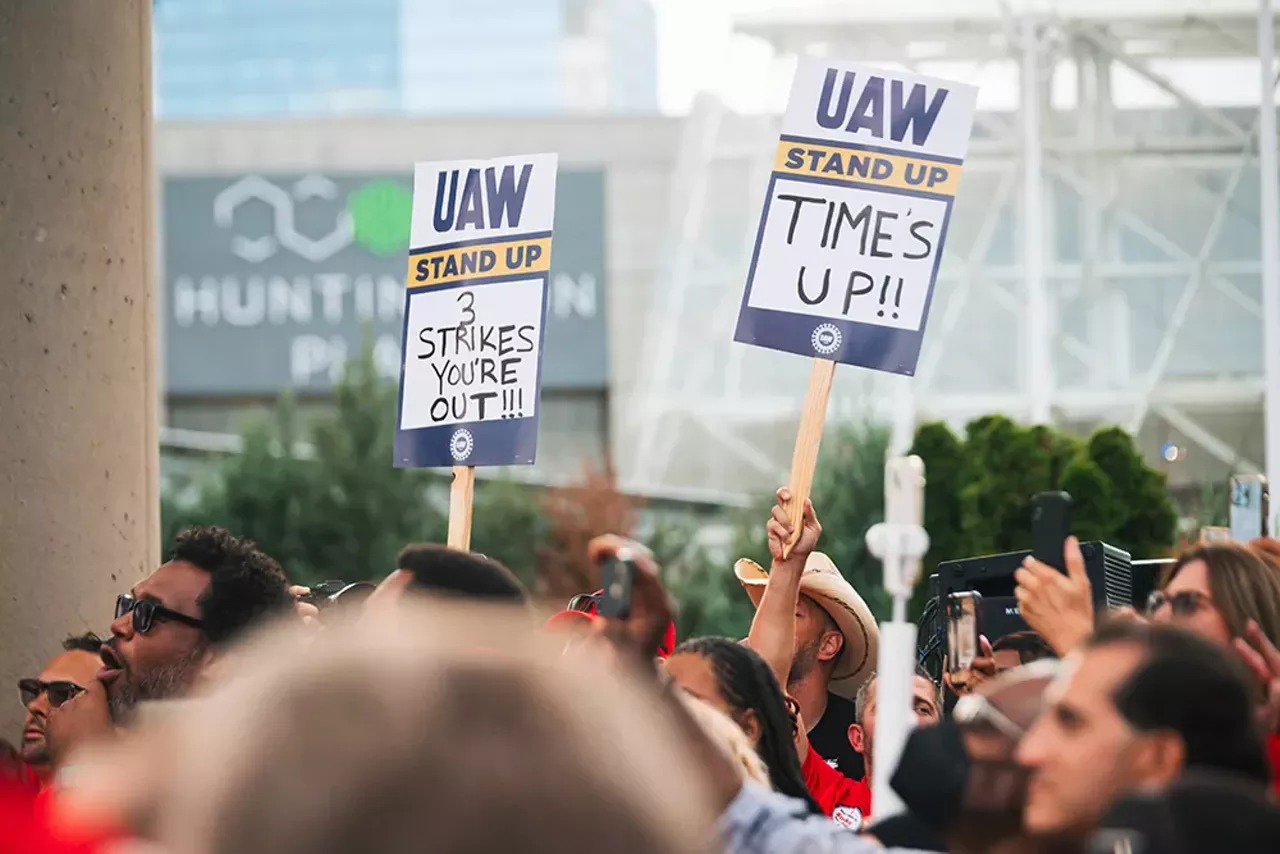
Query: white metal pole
[(899, 541), (1270, 235), (1037, 343), (902, 433)]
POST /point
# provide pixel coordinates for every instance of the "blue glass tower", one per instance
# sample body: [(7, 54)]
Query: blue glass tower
[(226, 59)]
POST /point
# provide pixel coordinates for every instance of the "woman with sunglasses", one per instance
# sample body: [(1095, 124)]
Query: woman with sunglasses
[(1217, 590), (1230, 594), (1225, 592)]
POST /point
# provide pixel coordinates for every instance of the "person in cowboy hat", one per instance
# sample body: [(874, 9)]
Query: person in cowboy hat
[(814, 630)]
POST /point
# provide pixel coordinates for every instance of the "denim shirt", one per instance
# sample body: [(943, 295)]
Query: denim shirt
[(759, 821)]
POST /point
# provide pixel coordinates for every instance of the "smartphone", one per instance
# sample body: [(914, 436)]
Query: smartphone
[(1050, 527), (328, 593), (1250, 507), (964, 627), (616, 577)]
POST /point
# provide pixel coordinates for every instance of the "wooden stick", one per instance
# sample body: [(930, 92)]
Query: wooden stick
[(805, 458), (461, 494)]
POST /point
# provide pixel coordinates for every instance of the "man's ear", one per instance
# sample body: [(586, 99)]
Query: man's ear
[(856, 738), (750, 724), (1159, 759), (830, 647)]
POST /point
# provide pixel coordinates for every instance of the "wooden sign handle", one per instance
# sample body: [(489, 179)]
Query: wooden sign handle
[(461, 495), (805, 457)]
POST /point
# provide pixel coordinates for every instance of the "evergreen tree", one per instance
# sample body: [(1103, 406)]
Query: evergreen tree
[(978, 495), (332, 507)]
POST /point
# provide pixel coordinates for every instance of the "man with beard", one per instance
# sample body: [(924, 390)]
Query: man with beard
[(65, 705), (213, 588), (925, 706), (815, 631)]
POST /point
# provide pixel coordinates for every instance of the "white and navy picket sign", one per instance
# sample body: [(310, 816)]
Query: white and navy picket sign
[(475, 312), (856, 214)]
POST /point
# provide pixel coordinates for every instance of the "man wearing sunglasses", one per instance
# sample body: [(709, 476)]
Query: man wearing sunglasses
[(213, 588), (65, 704)]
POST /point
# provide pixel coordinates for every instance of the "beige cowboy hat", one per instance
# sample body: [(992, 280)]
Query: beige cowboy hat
[(823, 583)]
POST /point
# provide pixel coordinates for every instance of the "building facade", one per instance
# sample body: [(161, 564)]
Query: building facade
[(1146, 277), (283, 245), (649, 261), (227, 59), (1102, 267)]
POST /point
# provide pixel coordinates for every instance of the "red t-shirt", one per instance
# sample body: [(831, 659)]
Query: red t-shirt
[(25, 827), (848, 802)]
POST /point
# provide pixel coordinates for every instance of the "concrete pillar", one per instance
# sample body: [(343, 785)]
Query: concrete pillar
[(79, 510)]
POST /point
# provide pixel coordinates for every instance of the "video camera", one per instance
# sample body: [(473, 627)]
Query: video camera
[(986, 584)]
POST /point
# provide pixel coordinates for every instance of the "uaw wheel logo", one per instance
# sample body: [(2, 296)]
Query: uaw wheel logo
[(826, 339), (461, 444)]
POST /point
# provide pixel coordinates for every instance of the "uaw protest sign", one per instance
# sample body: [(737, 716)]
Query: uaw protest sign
[(479, 259), (855, 215)]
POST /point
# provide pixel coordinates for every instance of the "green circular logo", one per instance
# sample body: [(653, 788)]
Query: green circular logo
[(381, 211)]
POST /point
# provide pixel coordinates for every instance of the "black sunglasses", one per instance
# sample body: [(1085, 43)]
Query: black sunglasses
[(1184, 603), (146, 612), (59, 691), (586, 603)]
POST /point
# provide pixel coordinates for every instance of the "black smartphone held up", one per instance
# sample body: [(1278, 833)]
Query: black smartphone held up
[(328, 593), (964, 629), (616, 577), (1050, 527)]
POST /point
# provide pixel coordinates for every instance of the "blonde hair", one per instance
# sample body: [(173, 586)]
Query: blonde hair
[(725, 734), (437, 727)]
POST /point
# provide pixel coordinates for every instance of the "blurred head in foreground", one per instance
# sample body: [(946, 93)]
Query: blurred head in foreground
[(720, 729), (436, 727)]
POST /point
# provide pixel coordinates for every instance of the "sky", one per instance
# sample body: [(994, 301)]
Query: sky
[(697, 51)]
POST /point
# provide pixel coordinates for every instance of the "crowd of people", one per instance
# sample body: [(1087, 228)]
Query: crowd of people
[(229, 711)]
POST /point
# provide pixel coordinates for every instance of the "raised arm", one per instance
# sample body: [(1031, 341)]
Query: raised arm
[(773, 631)]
